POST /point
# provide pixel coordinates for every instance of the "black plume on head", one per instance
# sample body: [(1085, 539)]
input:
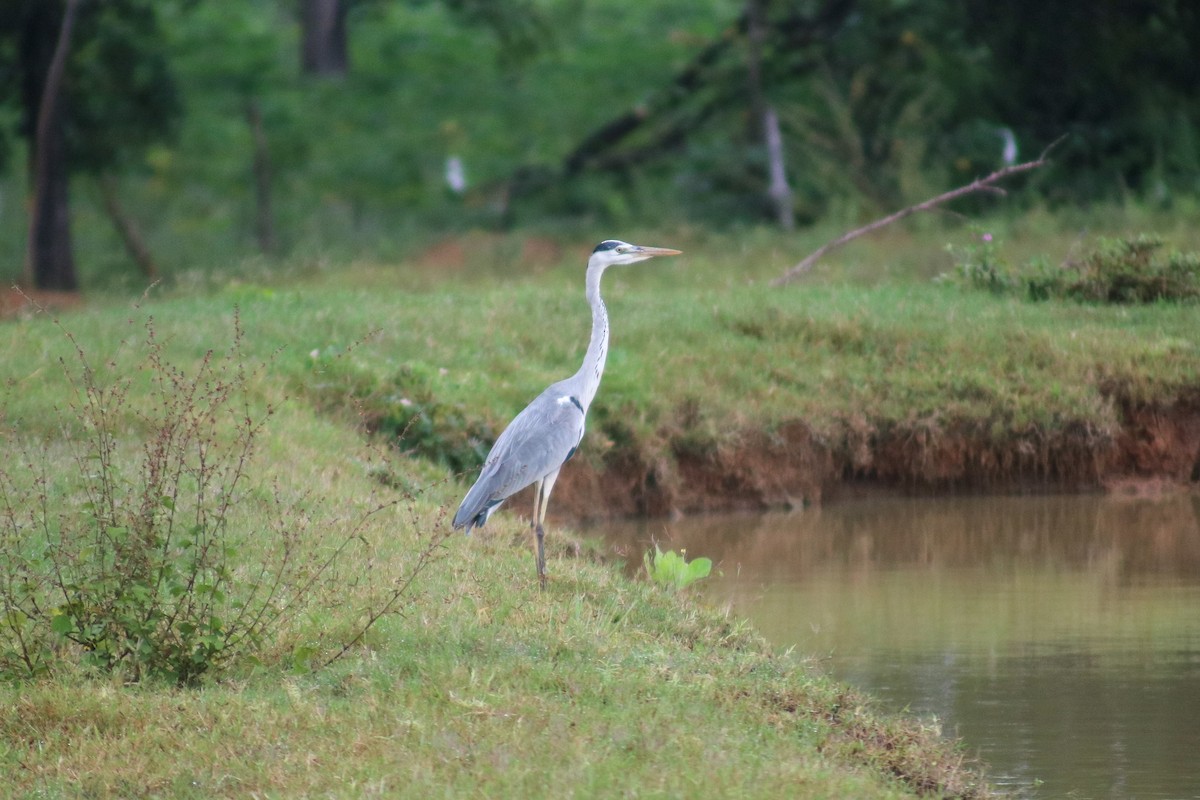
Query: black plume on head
[(608, 244)]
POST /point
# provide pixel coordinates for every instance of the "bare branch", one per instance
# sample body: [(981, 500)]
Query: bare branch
[(978, 185)]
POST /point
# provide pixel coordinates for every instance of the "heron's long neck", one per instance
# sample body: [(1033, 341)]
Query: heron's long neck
[(597, 352)]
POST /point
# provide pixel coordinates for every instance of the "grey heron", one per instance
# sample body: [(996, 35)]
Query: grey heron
[(1008, 154), (543, 437)]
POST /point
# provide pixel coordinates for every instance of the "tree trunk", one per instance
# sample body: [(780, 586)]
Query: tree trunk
[(765, 116), (778, 189), (49, 260), (323, 28), (264, 217)]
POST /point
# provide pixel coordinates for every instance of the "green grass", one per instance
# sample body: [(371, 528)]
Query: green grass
[(484, 686), (704, 353), (602, 685), (599, 689)]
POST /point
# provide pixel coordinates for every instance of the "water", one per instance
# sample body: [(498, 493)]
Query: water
[(1059, 637)]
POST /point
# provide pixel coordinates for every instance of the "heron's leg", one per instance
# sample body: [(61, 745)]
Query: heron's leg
[(545, 486), (541, 555), (535, 526)]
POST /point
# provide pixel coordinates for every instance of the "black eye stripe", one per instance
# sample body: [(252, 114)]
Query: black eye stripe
[(608, 244)]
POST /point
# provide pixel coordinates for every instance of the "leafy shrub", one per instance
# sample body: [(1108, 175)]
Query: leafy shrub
[(137, 568), (1122, 271), (136, 559), (673, 570), (1116, 271)]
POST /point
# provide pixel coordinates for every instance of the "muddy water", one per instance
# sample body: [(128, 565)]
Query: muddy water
[(1059, 637)]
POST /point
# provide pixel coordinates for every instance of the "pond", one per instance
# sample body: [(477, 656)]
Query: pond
[(1058, 636)]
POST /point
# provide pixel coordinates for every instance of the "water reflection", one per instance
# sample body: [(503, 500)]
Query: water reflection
[(1059, 636)]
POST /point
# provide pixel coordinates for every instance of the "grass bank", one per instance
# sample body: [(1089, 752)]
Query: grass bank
[(723, 391), (479, 684)]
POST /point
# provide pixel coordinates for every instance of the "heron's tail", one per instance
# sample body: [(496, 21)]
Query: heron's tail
[(474, 511)]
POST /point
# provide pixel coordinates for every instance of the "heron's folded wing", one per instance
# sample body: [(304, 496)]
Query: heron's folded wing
[(537, 442)]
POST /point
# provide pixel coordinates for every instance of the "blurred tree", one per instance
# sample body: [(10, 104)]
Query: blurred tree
[(239, 65), (44, 42), (765, 115), (519, 25), (1120, 76), (882, 102), (323, 50), (595, 107), (116, 98), (740, 77)]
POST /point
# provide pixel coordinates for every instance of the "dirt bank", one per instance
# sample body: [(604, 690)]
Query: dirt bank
[(1153, 448), (16, 302)]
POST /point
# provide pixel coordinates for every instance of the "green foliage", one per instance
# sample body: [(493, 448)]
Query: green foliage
[(139, 561), (402, 407), (120, 95), (521, 27), (1117, 271), (979, 264), (1132, 121), (1122, 271), (673, 570), (139, 569), (138, 572), (880, 103)]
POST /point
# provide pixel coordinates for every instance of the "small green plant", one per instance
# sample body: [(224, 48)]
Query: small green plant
[(979, 264), (673, 570)]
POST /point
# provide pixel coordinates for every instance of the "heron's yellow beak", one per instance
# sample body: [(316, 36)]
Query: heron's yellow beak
[(657, 251)]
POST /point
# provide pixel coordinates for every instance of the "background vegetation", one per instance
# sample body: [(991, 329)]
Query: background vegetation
[(219, 138), (322, 274)]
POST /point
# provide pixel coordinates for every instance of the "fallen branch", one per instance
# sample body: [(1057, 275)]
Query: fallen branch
[(126, 226), (977, 185)]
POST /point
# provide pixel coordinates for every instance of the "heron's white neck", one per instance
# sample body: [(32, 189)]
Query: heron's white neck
[(597, 352)]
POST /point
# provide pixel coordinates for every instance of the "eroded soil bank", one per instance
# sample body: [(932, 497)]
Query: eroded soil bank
[(1153, 448)]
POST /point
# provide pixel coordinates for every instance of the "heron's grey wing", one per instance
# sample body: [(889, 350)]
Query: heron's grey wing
[(537, 442)]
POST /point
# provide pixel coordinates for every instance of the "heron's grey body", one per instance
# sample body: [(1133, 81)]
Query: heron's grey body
[(533, 447), (544, 436)]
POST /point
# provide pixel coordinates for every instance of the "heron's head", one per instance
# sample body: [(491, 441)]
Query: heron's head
[(611, 252)]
